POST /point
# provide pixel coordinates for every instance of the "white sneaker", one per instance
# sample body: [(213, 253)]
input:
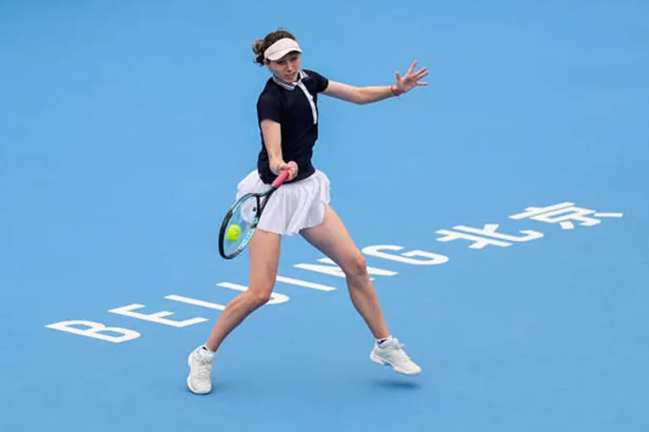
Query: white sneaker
[(392, 353), (199, 379)]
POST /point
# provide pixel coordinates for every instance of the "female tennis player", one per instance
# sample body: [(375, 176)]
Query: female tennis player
[(287, 111)]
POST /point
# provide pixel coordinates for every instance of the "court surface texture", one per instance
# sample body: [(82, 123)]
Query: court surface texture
[(503, 212)]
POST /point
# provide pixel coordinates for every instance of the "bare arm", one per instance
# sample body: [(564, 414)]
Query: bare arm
[(272, 132), (365, 95), (272, 140), (358, 95)]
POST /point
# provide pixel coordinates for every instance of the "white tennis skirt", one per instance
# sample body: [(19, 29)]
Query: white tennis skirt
[(293, 206)]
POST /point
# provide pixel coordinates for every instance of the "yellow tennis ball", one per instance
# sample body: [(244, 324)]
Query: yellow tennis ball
[(233, 233)]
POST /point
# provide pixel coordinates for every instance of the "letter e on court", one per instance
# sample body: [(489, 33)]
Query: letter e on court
[(95, 330)]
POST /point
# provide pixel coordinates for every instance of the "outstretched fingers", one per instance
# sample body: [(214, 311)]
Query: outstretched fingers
[(421, 73), (412, 67), (412, 78)]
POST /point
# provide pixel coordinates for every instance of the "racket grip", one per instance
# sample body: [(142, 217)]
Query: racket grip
[(281, 178)]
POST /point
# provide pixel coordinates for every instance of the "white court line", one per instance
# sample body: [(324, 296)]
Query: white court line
[(616, 215)]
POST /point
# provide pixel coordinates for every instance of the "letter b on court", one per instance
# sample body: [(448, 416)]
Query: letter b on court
[(95, 330)]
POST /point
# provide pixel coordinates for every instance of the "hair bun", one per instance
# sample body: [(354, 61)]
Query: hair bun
[(259, 46)]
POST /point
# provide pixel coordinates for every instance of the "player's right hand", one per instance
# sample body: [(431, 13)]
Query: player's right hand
[(292, 169), (290, 166)]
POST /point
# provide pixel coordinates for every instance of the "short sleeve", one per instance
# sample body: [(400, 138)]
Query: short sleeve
[(321, 82), (269, 108)]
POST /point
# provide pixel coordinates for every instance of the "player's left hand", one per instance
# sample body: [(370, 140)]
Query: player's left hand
[(411, 79)]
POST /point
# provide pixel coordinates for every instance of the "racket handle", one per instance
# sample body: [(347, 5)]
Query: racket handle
[(281, 178)]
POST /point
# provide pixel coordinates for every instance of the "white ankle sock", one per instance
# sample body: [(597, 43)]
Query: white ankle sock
[(383, 342)]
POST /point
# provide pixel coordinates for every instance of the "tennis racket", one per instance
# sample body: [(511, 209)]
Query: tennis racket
[(240, 222)]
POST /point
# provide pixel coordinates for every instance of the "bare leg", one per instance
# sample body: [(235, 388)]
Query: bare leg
[(264, 257), (332, 239)]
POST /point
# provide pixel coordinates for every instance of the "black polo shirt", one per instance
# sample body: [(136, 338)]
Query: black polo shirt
[(297, 112)]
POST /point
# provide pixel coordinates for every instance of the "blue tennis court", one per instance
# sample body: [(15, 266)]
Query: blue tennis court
[(503, 211)]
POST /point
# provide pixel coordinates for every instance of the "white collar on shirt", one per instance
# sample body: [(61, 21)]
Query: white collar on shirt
[(291, 86)]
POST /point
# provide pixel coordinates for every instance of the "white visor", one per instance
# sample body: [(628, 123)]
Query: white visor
[(280, 48)]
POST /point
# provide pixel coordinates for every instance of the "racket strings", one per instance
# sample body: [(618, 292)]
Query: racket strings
[(239, 226)]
